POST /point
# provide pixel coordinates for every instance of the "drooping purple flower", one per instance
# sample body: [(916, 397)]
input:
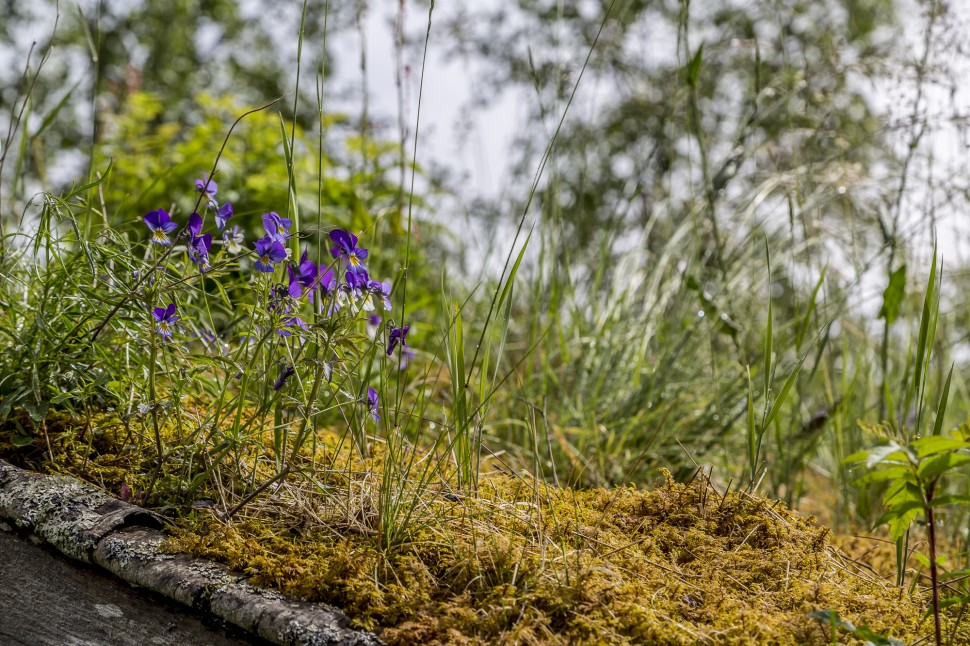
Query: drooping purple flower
[(398, 335), (199, 251), (382, 290), (269, 251), (351, 290), (346, 248), (194, 226), (277, 228), (223, 213), (166, 318), (373, 403), (233, 240), (292, 322), (208, 187), (307, 280), (199, 245), (286, 371), (160, 225)]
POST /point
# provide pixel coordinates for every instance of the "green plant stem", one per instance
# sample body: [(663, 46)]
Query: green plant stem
[(159, 448)]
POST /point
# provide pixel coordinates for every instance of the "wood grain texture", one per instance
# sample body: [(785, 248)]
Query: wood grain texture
[(86, 524), (45, 599)]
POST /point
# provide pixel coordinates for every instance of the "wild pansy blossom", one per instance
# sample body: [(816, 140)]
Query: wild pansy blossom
[(233, 240), (307, 280), (208, 187), (223, 213), (291, 322), (199, 245), (382, 289), (277, 228), (347, 249), (398, 335), (373, 403), (199, 251), (351, 291), (166, 318), (269, 251), (160, 225), (286, 371)]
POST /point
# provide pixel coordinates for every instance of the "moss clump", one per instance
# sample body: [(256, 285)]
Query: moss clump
[(520, 562), (533, 564)]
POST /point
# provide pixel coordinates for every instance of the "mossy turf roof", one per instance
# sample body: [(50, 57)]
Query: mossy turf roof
[(520, 561)]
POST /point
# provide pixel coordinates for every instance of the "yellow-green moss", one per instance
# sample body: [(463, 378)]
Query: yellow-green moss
[(525, 562)]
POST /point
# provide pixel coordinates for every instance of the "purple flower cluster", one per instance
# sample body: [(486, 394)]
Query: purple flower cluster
[(346, 283)]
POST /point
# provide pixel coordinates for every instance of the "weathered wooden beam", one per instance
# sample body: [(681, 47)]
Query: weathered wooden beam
[(87, 524)]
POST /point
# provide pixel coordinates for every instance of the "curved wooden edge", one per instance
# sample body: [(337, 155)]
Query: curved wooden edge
[(87, 524)]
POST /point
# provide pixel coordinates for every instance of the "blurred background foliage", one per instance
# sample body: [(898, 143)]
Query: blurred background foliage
[(699, 133)]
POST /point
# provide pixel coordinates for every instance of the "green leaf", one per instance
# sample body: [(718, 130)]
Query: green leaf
[(892, 298), (21, 440), (887, 473), (955, 499), (953, 601), (899, 526), (692, 71), (891, 452), (932, 444), (941, 407), (37, 412), (939, 464)]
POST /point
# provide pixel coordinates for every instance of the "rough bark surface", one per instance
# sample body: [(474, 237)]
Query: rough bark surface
[(87, 524)]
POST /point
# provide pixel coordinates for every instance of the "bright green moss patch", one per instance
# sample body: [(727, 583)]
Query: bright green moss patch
[(521, 562)]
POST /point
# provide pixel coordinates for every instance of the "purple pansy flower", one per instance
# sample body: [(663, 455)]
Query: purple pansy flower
[(160, 225), (352, 290), (382, 289), (398, 335), (276, 227), (291, 322), (199, 245), (166, 318), (208, 187), (233, 240), (223, 213), (307, 280), (347, 248), (195, 224), (199, 251), (286, 371), (373, 403), (269, 251)]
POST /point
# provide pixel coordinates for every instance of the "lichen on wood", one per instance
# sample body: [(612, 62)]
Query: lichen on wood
[(85, 523)]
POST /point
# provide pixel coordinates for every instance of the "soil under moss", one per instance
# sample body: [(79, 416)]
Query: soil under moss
[(520, 561)]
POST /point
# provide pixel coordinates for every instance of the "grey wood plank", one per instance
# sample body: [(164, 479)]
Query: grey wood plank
[(45, 599)]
